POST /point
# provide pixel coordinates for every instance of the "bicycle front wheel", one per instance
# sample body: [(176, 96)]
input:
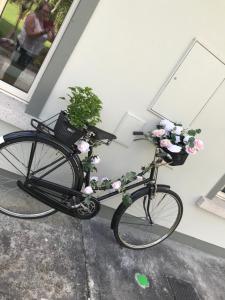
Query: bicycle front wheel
[(148, 221), (42, 155)]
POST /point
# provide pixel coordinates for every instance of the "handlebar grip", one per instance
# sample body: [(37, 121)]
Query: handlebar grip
[(138, 133)]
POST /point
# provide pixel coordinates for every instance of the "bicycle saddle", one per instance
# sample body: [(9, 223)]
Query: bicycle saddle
[(101, 134)]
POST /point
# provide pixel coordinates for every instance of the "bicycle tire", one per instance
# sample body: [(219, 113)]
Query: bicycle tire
[(14, 201), (131, 228)]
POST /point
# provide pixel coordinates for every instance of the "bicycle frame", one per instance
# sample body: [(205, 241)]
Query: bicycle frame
[(33, 184), (40, 182)]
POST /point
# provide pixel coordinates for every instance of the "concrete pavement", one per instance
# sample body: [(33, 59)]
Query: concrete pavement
[(59, 257)]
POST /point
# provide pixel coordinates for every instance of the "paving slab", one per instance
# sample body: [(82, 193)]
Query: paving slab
[(111, 269), (42, 259)]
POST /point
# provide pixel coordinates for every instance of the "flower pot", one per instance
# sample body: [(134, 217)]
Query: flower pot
[(177, 158), (65, 132)]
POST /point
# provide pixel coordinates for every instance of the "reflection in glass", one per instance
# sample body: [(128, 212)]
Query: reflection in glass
[(27, 30)]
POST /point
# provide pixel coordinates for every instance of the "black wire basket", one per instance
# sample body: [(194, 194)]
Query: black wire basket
[(65, 132), (177, 159)]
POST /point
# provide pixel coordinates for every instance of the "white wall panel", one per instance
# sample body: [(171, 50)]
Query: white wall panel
[(190, 87)]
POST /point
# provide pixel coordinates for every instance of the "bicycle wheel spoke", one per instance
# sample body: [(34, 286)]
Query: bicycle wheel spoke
[(12, 164), (47, 166), (21, 158), (137, 231)]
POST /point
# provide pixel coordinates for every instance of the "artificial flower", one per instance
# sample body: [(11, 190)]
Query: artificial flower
[(94, 178), (158, 132), (88, 190), (174, 148), (199, 145), (191, 150), (104, 179), (83, 146), (167, 125), (165, 143), (186, 139), (95, 160), (178, 130), (177, 139), (116, 185)]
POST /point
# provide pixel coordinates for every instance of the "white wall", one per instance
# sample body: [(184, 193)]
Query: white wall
[(126, 53)]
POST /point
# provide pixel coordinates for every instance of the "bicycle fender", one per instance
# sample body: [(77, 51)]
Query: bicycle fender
[(164, 186), (33, 133), (139, 192), (17, 134)]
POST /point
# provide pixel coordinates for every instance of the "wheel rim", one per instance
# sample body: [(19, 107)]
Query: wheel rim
[(14, 160), (136, 230)]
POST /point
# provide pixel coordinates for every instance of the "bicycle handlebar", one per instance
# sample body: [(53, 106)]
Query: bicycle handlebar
[(138, 133)]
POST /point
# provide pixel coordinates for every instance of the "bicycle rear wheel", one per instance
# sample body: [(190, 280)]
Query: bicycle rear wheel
[(147, 222), (15, 156)]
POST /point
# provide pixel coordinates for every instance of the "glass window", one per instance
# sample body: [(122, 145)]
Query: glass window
[(27, 31)]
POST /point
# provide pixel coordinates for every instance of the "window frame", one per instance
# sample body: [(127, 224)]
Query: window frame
[(57, 58)]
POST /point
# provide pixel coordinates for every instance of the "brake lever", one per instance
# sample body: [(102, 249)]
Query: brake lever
[(141, 139)]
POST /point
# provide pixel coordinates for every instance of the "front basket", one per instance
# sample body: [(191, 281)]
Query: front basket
[(65, 132), (177, 158)]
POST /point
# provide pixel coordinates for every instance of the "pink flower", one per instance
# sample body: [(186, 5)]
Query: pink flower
[(199, 145), (165, 143), (158, 132), (191, 150), (116, 185)]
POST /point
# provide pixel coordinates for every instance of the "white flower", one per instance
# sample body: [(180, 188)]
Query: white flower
[(83, 147), (178, 129), (174, 148), (88, 190), (177, 139), (94, 178), (186, 139), (116, 185), (168, 125), (95, 160), (104, 179)]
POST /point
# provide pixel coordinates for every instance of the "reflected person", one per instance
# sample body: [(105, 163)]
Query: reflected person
[(37, 29)]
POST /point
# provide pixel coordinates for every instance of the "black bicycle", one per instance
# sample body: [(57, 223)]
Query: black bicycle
[(39, 175)]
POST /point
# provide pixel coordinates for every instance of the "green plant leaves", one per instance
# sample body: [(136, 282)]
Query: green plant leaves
[(191, 142), (84, 107), (127, 200), (87, 165)]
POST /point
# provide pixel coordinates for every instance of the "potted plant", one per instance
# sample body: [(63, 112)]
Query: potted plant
[(83, 109), (176, 141)]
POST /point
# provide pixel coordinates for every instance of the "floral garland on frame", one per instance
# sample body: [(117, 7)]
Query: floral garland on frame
[(89, 164), (168, 136)]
